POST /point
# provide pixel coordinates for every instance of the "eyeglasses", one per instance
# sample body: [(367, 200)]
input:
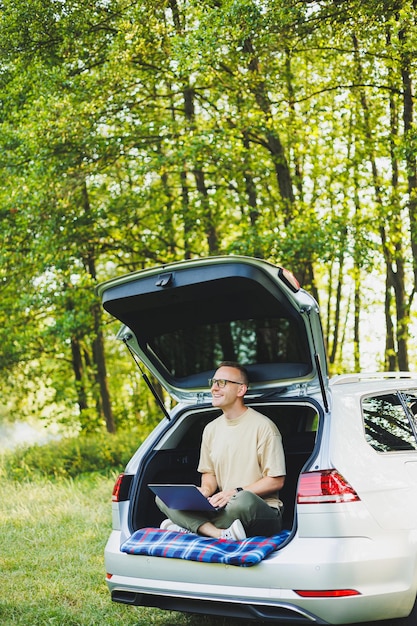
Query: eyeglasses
[(222, 382)]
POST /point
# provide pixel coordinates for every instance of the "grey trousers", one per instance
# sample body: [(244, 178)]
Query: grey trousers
[(257, 517)]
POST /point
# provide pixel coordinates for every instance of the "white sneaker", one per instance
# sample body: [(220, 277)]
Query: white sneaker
[(235, 531), (166, 524)]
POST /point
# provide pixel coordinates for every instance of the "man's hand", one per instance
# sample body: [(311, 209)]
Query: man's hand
[(220, 499)]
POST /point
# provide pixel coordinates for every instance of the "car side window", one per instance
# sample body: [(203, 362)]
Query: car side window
[(387, 424), (410, 398)]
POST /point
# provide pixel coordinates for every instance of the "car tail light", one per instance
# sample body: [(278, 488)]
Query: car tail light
[(326, 593), (324, 487), (121, 488)]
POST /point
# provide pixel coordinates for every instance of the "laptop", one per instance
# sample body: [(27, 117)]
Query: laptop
[(183, 497)]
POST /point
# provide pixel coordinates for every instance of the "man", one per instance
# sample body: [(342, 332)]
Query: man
[(242, 466)]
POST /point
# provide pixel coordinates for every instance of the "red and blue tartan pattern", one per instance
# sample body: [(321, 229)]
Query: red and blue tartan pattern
[(174, 545)]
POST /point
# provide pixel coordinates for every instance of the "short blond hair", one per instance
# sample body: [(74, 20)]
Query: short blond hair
[(237, 366)]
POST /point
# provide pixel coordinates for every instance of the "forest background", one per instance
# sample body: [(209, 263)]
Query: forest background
[(138, 133)]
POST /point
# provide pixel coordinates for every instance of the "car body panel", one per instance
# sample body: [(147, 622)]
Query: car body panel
[(382, 480), (379, 568)]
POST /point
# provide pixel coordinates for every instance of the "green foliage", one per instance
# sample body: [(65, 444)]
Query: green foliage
[(135, 134), (71, 457)]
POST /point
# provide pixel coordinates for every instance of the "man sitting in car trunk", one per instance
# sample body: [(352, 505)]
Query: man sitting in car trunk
[(242, 466)]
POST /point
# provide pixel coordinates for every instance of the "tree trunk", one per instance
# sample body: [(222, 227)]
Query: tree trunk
[(199, 175), (250, 185), (78, 369), (407, 59), (98, 342), (391, 363), (186, 218), (272, 140), (336, 328), (304, 270), (394, 264), (100, 363)]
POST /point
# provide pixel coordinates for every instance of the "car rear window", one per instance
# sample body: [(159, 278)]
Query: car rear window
[(201, 346), (389, 422), (189, 320)]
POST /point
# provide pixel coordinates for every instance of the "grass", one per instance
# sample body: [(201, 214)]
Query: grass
[(52, 537)]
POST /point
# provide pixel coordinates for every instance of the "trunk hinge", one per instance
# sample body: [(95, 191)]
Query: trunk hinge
[(145, 377), (307, 311), (302, 389)]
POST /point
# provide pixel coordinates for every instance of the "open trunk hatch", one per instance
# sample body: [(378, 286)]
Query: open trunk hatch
[(184, 318)]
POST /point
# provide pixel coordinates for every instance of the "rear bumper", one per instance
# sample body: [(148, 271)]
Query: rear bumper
[(381, 572), (235, 609)]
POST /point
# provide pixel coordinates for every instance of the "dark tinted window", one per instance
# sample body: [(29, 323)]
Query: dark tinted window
[(387, 425), (249, 341), (188, 320)]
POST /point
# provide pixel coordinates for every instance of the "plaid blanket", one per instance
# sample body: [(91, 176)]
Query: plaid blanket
[(165, 543)]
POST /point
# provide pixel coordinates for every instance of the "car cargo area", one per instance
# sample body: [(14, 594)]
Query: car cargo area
[(175, 458)]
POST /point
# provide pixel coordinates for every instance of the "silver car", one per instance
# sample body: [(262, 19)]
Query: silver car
[(348, 551)]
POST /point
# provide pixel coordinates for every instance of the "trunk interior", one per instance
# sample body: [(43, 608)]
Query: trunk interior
[(176, 459)]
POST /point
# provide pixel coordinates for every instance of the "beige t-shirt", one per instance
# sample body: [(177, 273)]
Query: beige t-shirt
[(241, 451)]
